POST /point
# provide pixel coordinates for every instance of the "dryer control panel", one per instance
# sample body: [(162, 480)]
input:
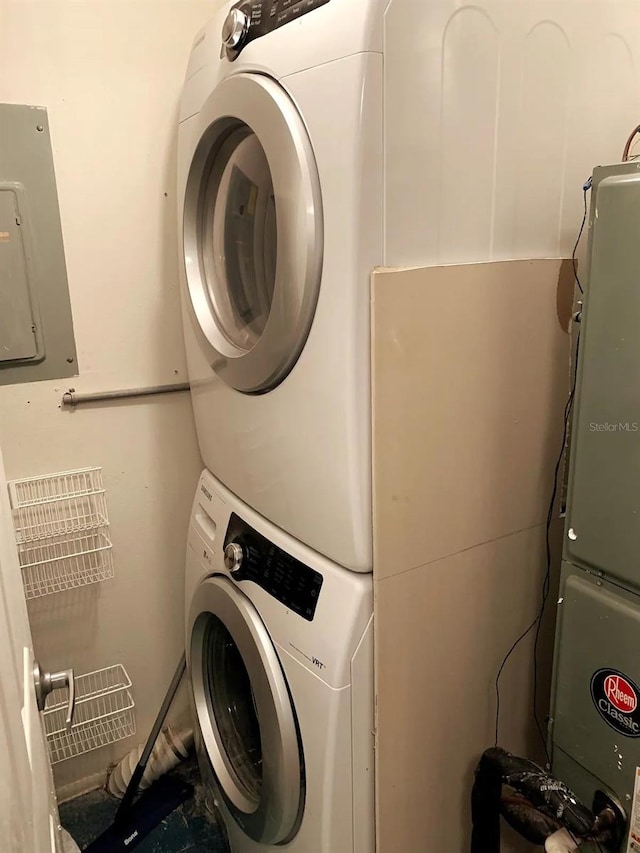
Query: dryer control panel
[(250, 557), (251, 19)]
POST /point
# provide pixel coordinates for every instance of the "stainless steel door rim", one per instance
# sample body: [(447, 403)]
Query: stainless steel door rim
[(243, 106), (269, 812)]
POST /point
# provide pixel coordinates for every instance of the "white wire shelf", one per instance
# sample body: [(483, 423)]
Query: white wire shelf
[(52, 487), (62, 525), (104, 713), (58, 518), (57, 564), (58, 504)]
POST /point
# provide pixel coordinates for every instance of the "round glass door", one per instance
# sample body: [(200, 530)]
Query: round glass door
[(253, 232), (231, 702), (239, 239), (245, 715)]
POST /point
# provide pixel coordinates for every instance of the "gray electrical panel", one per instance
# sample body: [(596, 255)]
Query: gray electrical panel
[(36, 329), (595, 720)]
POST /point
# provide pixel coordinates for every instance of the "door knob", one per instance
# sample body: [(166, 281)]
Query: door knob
[(46, 682)]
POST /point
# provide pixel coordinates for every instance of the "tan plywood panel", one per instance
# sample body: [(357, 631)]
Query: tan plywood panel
[(441, 632), (470, 379)]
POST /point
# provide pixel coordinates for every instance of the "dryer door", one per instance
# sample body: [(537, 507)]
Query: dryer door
[(253, 232), (245, 714)]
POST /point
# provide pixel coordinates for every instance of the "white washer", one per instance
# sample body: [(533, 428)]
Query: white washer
[(280, 208), (280, 656)]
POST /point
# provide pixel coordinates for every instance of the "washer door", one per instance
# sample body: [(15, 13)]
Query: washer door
[(253, 232), (245, 713)]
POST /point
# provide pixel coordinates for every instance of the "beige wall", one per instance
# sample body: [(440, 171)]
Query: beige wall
[(470, 379), (110, 73)]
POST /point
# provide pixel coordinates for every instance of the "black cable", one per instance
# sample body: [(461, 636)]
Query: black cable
[(537, 622), (546, 585), (567, 415), (502, 666), (585, 189)]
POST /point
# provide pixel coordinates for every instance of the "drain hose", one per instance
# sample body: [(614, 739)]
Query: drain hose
[(560, 842), (171, 747)]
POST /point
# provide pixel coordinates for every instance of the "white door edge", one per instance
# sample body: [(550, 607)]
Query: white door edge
[(29, 821)]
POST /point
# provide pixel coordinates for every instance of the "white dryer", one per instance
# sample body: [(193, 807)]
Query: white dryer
[(280, 222), (280, 657), (284, 161)]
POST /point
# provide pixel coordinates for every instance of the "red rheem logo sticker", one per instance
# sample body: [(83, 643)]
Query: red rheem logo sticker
[(617, 699), (620, 693)]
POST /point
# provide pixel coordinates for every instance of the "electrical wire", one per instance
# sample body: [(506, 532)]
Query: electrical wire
[(547, 578), (585, 189), (635, 132), (502, 666), (567, 416), (546, 584)]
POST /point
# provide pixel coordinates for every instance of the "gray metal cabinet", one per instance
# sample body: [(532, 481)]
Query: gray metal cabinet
[(604, 488)]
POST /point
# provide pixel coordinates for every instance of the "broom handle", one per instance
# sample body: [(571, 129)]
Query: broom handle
[(138, 773)]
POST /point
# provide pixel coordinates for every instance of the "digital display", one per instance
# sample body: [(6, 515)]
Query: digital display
[(288, 580)]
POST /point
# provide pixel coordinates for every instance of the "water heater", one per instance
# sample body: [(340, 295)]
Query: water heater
[(595, 718)]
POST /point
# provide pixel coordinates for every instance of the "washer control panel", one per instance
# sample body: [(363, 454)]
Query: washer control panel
[(251, 557), (251, 19)]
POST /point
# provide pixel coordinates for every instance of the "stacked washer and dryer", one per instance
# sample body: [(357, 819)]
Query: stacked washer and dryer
[(291, 189), (281, 223)]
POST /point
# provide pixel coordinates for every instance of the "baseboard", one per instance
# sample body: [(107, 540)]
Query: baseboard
[(81, 786)]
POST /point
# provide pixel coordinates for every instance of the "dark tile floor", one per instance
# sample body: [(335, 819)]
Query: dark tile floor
[(190, 828)]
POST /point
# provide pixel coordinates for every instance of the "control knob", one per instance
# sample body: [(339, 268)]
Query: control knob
[(233, 557), (235, 29)]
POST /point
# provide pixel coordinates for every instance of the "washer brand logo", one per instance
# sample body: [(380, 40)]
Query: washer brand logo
[(616, 699), (205, 491), (620, 693)]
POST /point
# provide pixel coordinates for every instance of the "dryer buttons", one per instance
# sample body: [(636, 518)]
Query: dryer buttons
[(248, 556)]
